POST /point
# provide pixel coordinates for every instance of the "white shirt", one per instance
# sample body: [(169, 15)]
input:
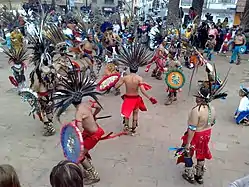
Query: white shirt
[(244, 104), (116, 28)]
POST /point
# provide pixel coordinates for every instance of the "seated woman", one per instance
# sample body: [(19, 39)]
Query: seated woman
[(242, 112)]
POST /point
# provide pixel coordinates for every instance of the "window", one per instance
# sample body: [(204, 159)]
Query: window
[(109, 2), (227, 1), (94, 1)]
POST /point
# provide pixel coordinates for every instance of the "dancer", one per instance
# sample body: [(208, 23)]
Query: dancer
[(173, 66), (134, 57), (200, 122), (71, 91), (16, 60), (43, 79), (242, 112), (87, 48), (160, 59), (110, 40)]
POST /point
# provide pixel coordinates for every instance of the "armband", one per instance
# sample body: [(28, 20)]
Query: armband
[(192, 127)]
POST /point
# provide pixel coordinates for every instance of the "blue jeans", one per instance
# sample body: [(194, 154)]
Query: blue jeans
[(209, 53), (236, 54)]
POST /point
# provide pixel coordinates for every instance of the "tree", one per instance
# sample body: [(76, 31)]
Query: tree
[(173, 14), (198, 6), (245, 17)]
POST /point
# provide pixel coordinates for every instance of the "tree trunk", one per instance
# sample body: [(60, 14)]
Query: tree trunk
[(245, 17), (198, 6), (173, 14)]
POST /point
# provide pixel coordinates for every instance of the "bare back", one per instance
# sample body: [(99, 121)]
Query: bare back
[(132, 82), (85, 117), (199, 117)]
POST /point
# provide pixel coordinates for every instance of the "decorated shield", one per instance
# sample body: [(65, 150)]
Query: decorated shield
[(108, 82), (175, 79), (72, 142), (242, 49), (13, 81)]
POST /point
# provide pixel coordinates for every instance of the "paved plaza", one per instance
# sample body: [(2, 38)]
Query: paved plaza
[(139, 161)]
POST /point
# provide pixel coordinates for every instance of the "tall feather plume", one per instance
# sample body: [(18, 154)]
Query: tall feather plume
[(80, 23), (135, 57), (202, 62), (72, 89), (214, 92), (54, 35), (16, 56)]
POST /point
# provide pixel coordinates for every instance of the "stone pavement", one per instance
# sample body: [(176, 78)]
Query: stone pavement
[(142, 160)]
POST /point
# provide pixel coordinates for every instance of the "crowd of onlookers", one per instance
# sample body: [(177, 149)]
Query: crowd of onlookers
[(68, 174), (64, 174)]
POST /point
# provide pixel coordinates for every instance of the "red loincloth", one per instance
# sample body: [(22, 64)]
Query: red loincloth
[(200, 145), (132, 103), (91, 139)]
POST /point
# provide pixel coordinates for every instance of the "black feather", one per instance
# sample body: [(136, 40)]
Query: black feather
[(135, 57), (72, 89)]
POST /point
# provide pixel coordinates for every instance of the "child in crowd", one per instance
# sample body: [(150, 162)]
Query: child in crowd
[(210, 44)]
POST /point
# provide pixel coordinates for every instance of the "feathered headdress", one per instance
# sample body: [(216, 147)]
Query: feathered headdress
[(80, 23), (56, 38), (135, 57), (213, 91), (105, 26), (201, 62), (39, 44), (16, 56), (10, 19), (72, 89)]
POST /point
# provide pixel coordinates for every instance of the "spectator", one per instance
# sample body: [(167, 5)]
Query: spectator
[(66, 174), (225, 22), (213, 31), (192, 13), (8, 176)]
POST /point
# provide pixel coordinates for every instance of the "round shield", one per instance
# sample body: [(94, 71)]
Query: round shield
[(13, 81), (242, 49), (175, 79), (108, 82), (72, 142)]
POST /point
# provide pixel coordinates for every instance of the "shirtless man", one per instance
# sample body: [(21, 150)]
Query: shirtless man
[(85, 116), (200, 122), (160, 59), (133, 83), (87, 49), (201, 119), (92, 133), (132, 100), (110, 41), (239, 41)]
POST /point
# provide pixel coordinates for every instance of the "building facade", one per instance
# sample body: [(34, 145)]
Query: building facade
[(219, 9)]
